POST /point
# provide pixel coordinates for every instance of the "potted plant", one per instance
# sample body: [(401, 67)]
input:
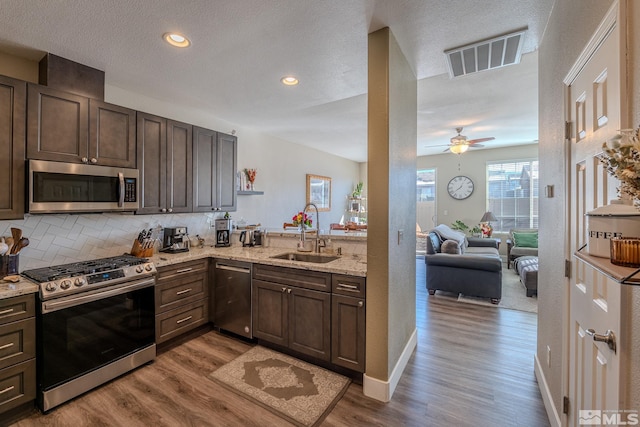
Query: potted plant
[(357, 192)]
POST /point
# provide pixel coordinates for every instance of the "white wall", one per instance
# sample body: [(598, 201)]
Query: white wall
[(473, 164)]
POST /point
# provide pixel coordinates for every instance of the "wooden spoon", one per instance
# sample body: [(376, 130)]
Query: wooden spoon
[(18, 246), (17, 234)]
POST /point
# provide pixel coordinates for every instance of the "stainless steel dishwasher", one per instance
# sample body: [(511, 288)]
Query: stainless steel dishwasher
[(233, 297)]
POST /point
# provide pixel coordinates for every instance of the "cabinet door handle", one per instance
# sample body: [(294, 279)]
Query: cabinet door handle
[(184, 270), (360, 304), (183, 292), (348, 287), (284, 289), (94, 160), (7, 389), (84, 160), (6, 311), (6, 346), (184, 320), (289, 290), (163, 210)]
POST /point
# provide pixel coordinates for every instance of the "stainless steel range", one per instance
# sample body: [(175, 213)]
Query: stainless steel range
[(95, 322)]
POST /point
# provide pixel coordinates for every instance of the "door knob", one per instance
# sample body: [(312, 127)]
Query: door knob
[(608, 338), (84, 160), (94, 160)]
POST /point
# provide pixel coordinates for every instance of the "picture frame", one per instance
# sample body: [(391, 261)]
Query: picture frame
[(319, 191)]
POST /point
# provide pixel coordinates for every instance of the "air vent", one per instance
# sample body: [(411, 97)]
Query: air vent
[(488, 54)]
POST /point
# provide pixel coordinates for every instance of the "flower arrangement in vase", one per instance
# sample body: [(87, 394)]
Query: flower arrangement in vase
[(251, 177), (621, 158), (301, 219)]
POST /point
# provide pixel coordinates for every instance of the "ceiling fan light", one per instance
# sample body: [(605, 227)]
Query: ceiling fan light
[(459, 148)]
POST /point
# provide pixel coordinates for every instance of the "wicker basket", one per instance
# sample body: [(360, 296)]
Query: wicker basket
[(625, 251)]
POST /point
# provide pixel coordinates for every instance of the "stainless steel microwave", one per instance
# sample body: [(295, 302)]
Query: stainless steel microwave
[(56, 187)]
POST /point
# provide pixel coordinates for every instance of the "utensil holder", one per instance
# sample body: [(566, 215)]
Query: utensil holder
[(138, 251), (9, 265)]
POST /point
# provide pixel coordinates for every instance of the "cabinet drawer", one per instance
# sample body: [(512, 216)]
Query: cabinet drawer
[(170, 271), (348, 285), (17, 385), (17, 308), (17, 342), (181, 290), (181, 320), (315, 280)]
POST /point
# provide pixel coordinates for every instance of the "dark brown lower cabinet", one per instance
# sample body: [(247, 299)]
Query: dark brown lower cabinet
[(314, 313), (181, 298), (293, 317), (348, 332), (17, 352)]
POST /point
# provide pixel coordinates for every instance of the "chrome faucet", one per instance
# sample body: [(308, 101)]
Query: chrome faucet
[(317, 245)]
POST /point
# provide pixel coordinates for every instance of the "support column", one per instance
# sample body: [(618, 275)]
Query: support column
[(391, 220)]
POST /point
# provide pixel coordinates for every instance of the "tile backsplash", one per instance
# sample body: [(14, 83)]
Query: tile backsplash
[(64, 238), (56, 239)]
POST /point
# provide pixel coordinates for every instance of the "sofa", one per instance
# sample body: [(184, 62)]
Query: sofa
[(468, 266), (521, 242)]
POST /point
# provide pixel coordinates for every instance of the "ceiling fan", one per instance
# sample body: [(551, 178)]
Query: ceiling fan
[(459, 143)]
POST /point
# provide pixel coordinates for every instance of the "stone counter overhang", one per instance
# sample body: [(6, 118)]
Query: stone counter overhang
[(23, 287), (353, 265)]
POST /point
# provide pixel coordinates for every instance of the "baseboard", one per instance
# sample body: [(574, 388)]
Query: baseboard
[(383, 390), (552, 412)]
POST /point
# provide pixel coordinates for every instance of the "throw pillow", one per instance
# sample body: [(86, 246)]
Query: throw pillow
[(526, 240), (451, 247)]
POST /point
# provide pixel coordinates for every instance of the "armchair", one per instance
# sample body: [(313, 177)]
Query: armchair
[(521, 242)]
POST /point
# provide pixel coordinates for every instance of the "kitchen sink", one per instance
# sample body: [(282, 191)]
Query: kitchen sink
[(305, 257)]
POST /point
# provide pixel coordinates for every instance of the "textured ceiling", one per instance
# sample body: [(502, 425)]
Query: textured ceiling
[(241, 48)]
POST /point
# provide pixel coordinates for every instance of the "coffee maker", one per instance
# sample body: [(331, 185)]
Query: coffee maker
[(175, 240), (223, 232)]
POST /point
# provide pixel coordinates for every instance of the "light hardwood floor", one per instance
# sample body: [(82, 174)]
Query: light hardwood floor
[(473, 367)]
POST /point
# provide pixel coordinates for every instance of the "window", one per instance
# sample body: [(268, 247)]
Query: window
[(426, 198), (512, 194)]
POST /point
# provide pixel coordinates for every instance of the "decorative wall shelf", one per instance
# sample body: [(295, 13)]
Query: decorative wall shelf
[(623, 275), (249, 193)]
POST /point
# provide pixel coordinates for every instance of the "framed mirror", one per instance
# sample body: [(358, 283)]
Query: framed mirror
[(319, 192)]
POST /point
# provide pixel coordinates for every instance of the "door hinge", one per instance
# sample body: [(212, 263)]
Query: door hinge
[(565, 405), (567, 130), (567, 268)]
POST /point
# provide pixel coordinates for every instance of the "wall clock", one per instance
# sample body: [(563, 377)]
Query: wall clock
[(460, 187)]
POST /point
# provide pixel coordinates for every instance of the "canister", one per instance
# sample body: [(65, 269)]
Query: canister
[(617, 219)]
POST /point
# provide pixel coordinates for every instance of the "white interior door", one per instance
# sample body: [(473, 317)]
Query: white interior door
[(594, 107)]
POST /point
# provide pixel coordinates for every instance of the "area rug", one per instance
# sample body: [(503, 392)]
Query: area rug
[(299, 392)]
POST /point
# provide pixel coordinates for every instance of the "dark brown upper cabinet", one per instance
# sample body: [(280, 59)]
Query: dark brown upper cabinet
[(165, 163), (112, 135), (65, 127), (214, 170), (13, 100)]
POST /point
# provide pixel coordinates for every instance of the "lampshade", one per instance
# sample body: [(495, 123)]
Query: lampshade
[(459, 148), (488, 217)]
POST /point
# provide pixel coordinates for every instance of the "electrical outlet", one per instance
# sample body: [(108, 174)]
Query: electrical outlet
[(548, 356), (446, 212), (400, 235)]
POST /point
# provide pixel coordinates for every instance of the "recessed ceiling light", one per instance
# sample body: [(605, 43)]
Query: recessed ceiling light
[(176, 39), (289, 80)]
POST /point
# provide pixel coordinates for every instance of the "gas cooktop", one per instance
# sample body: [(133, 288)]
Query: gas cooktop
[(58, 280)]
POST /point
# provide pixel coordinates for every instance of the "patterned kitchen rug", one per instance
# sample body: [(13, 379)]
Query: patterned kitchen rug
[(297, 391)]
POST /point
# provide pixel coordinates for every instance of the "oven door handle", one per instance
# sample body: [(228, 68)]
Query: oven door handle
[(72, 301)]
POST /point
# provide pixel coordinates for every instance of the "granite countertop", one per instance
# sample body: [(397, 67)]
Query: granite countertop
[(354, 265), (23, 287)]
